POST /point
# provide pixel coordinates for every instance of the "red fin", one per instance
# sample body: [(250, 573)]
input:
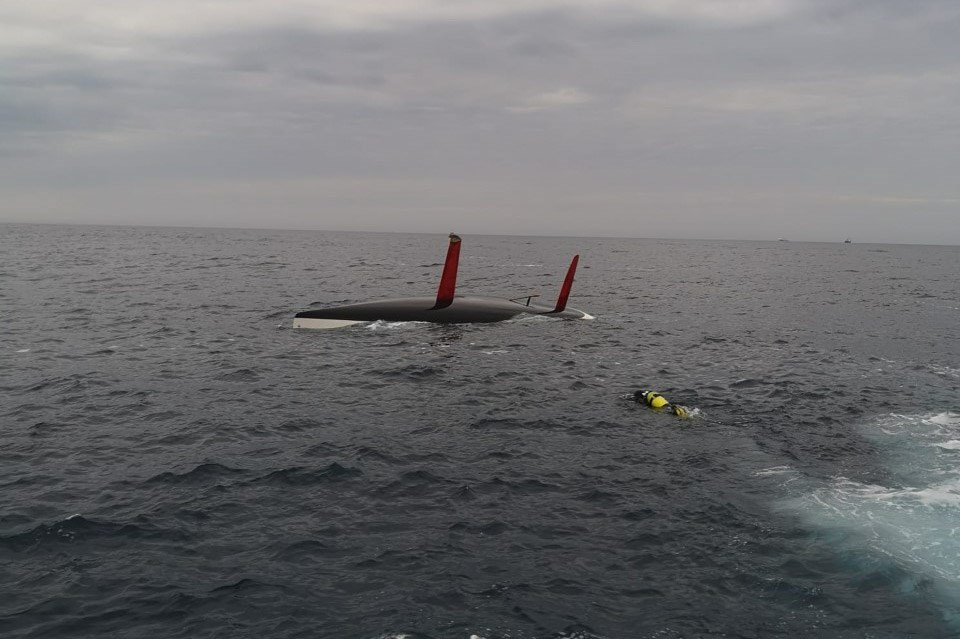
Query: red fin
[(448, 281), (567, 283)]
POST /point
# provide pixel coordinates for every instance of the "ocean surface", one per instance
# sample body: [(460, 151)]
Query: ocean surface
[(176, 461)]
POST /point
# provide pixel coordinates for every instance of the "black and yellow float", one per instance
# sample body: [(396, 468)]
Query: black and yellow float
[(658, 402)]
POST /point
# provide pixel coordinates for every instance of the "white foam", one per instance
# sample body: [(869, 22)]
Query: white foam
[(916, 528), (904, 435), (907, 500), (946, 494), (945, 371), (913, 521), (773, 470), (382, 325), (945, 419)]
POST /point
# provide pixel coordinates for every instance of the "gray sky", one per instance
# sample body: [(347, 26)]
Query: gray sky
[(754, 119)]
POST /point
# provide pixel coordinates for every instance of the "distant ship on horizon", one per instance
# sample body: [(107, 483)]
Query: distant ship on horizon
[(847, 241)]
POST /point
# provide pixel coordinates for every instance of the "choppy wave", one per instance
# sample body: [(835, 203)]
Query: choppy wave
[(909, 526), (77, 529)]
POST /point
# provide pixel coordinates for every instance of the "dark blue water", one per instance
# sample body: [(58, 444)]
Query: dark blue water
[(175, 461)]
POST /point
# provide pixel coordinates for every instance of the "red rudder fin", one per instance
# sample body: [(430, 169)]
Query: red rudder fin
[(567, 283), (448, 280)]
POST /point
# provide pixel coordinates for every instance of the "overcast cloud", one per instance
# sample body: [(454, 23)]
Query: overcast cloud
[(756, 119)]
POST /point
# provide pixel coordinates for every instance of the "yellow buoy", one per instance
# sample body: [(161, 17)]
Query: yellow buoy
[(656, 401)]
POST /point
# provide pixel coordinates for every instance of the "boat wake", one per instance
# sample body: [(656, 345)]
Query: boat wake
[(907, 528)]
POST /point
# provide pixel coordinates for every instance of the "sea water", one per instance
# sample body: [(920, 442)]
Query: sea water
[(176, 461), (906, 523)]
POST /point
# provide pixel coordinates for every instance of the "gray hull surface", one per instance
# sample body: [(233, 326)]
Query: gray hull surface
[(463, 309), (446, 307)]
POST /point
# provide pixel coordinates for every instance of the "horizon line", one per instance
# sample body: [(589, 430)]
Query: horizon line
[(601, 237)]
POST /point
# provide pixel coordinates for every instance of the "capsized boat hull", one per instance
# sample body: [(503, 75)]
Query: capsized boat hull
[(446, 307), (464, 309)]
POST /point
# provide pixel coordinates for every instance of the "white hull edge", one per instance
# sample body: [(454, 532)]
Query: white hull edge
[(313, 323)]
